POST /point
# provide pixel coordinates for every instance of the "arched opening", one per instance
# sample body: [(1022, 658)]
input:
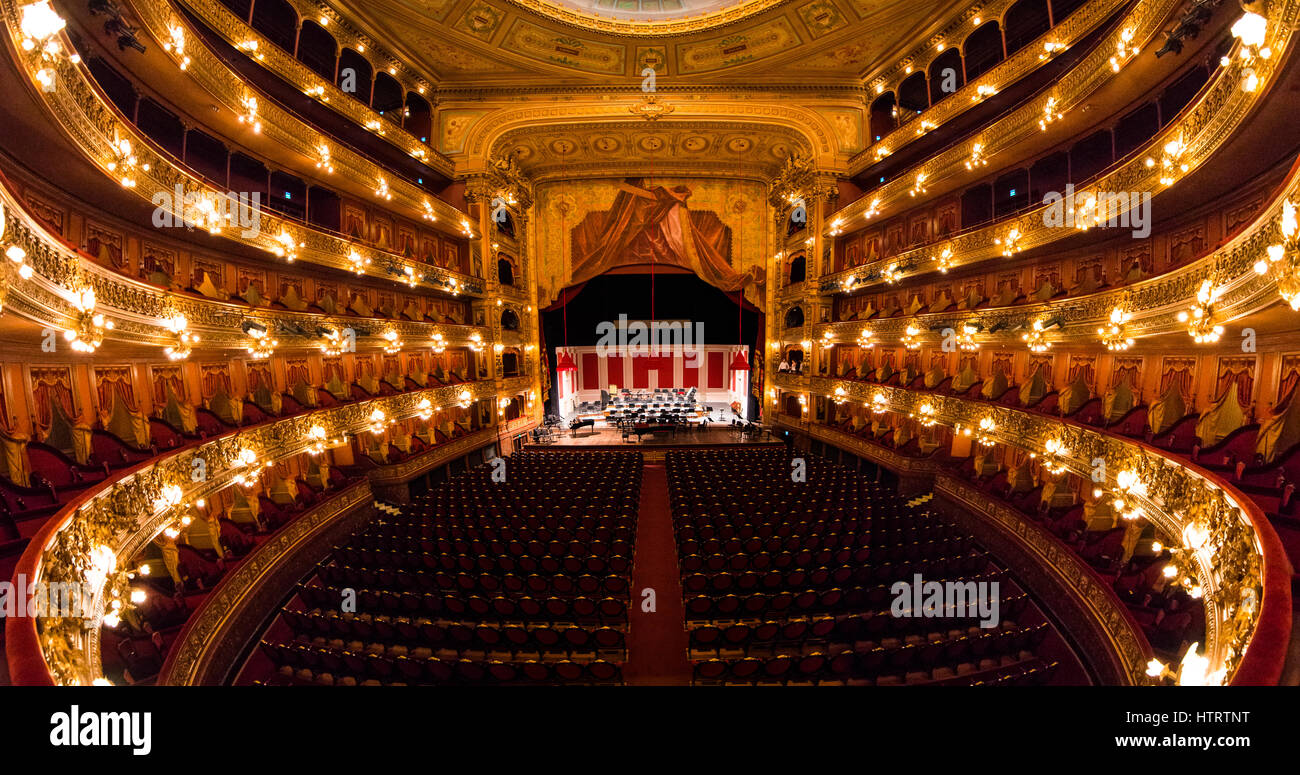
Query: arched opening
[(882, 120), (510, 363), (913, 97), (982, 50), (510, 320), (946, 75), (278, 21), (317, 49), (355, 75), (790, 405), (419, 116), (388, 95), (1025, 21), (794, 318), (798, 269), (505, 271)]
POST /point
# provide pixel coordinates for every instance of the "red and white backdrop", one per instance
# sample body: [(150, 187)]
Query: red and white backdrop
[(601, 368)]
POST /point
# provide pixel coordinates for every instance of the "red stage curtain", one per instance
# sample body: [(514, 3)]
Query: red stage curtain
[(590, 371), (717, 371)]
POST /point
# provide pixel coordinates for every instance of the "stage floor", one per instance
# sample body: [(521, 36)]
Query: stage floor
[(613, 438)]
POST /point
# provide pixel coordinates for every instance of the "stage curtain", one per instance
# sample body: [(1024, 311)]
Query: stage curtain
[(655, 225)]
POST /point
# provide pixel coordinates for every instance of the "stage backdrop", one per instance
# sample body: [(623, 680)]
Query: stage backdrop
[(714, 228), (708, 370)]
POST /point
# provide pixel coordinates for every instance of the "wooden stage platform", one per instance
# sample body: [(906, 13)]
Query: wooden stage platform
[(612, 438)]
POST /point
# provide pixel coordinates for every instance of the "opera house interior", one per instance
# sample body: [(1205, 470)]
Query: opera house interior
[(649, 343)]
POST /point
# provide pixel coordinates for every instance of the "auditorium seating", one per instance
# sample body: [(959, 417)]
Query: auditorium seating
[(521, 578), (788, 564)]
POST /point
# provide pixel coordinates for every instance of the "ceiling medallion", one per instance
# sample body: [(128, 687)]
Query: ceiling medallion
[(650, 109)]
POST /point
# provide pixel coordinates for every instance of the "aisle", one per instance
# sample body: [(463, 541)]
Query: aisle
[(656, 641)]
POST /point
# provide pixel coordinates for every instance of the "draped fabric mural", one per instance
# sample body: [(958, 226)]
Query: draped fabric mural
[(165, 379), (216, 379), (333, 367), (297, 372), (1179, 374), (713, 228), (1243, 378), (51, 387), (115, 383)]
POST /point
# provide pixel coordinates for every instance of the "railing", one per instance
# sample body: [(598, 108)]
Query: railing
[(85, 542), (1235, 555)]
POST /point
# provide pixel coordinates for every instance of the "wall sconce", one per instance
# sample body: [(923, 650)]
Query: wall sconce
[(392, 341), (357, 263), (1281, 259), (87, 334), (185, 341), (1115, 334), (1199, 318), (260, 345)]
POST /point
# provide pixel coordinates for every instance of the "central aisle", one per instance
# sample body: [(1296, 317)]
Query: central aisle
[(656, 641)]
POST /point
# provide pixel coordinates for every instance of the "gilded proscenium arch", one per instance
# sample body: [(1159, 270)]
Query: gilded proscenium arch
[(225, 85), (1079, 25), (1001, 136), (92, 124), (1154, 303), (1241, 553), (1205, 126), (483, 135), (758, 164), (139, 310), (235, 31), (124, 515)]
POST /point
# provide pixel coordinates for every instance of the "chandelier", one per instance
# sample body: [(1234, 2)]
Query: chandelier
[(260, 345), (1199, 318), (175, 44), (919, 186), (1171, 161), (378, 420), (464, 399), (925, 415), (16, 254), (1050, 114), (356, 263), (87, 334), (944, 260), (879, 403), (911, 338), (1010, 243), (249, 116), (841, 395), (892, 274), (316, 440), (381, 189), (986, 428), (1250, 29), (252, 469), (392, 343), (410, 277), (424, 409), (864, 339), (39, 25), (287, 246), (124, 161), (325, 162), (1036, 338), (185, 341), (977, 158), (1124, 50), (429, 214), (332, 342), (828, 340), (437, 343), (1115, 334), (1054, 456), (1282, 260), (1128, 487), (874, 208), (966, 338), (476, 342)]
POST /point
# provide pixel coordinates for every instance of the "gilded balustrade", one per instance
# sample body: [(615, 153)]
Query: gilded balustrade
[(95, 126), (1068, 32), (1202, 128), (211, 73), (85, 542), (139, 311), (1224, 533)]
